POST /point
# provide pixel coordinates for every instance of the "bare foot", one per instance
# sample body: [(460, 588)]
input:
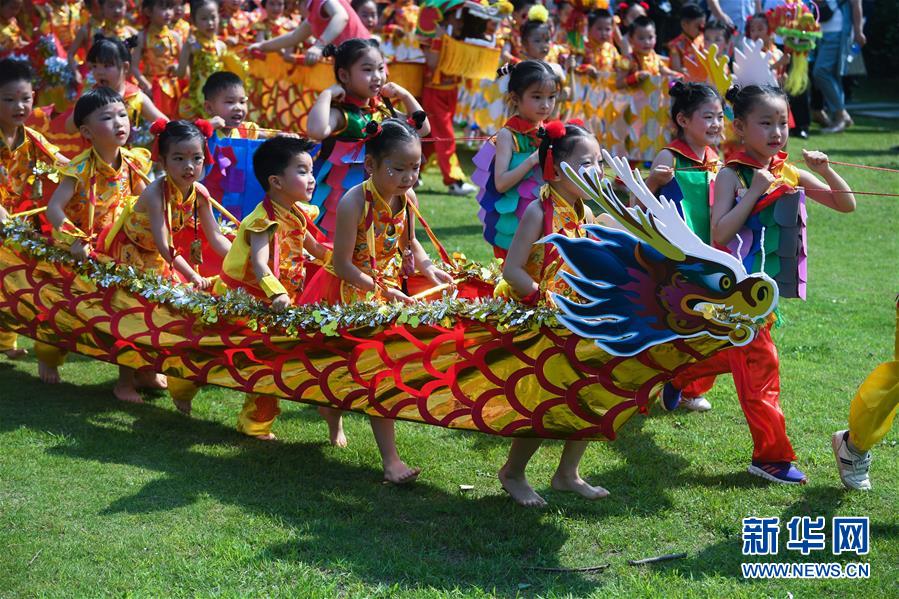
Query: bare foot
[(334, 418), (183, 405), (127, 393), (266, 437), (578, 485), (48, 374), (150, 380), (400, 474), (15, 354), (520, 490)]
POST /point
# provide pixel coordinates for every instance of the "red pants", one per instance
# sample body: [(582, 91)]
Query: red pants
[(757, 379), (440, 104)]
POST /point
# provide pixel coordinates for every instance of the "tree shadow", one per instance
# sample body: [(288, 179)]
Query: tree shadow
[(345, 518)]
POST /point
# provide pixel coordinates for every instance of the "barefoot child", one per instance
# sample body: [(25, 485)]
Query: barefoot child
[(339, 116), (746, 189), (21, 149), (511, 179), (92, 187), (375, 247), (683, 172), (157, 51), (268, 256), (529, 275)]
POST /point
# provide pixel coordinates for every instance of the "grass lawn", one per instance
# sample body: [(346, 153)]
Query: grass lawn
[(98, 497)]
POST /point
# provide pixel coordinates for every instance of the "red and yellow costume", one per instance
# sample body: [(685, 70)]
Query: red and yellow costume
[(286, 229), (690, 54), (162, 48), (121, 30), (650, 62), (207, 57), (601, 56), (439, 97), (271, 28), (62, 19), (11, 38), (237, 27)]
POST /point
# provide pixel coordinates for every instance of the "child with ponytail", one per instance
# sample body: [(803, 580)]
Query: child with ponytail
[(529, 275), (339, 117), (507, 172)]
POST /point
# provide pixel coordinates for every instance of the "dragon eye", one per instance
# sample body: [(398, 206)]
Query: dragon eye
[(718, 281)]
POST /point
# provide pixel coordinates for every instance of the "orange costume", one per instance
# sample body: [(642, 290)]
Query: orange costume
[(61, 19), (11, 38), (601, 56), (121, 30), (439, 98), (162, 48), (237, 27), (273, 28), (690, 54), (651, 62)]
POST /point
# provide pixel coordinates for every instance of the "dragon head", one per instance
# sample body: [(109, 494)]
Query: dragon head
[(653, 280)]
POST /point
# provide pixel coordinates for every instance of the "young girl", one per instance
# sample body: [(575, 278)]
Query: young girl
[(643, 61), (112, 24), (536, 40), (685, 51), (157, 51), (529, 276), (60, 18), (625, 14), (201, 55), (600, 53), (110, 64), (236, 23), (339, 117), (507, 172), (758, 28), (746, 192), (375, 248), (11, 37), (367, 11), (328, 21), (165, 229)]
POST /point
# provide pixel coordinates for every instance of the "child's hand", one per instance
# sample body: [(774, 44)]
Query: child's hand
[(438, 276), (4, 215), (79, 80), (816, 161), (660, 175), (397, 295), (200, 283), (217, 122), (761, 181), (392, 90), (337, 92), (281, 302), (80, 250), (145, 86), (313, 55)]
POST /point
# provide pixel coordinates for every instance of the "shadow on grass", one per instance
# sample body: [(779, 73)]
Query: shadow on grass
[(344, 518)]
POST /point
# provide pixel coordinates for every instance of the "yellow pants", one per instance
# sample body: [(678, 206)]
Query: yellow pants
[(258, 415), (49, 355), (8, 341), (182, 390), (872, 411)]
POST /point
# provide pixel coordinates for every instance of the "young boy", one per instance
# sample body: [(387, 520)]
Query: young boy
[(22, 150), (643, 61), (717, 33), (685, 50), (600, 53), (92, 186), (268, 255), (226, 104)]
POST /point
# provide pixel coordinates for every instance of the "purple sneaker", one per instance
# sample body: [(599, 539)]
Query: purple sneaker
[(778, 472), (670, 397)]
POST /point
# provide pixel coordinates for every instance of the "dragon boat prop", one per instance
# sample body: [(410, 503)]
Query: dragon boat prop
[(654, 299)]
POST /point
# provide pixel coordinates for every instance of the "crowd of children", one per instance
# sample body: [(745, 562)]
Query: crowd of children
[(339, 225)]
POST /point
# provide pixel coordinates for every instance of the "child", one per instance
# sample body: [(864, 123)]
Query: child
[(717, 34), (685, 51), (758, 28), (511, 180), (92, 188), (871, 415), (643, 62), (112, 24), (181, 20), (202, 55), (226, 104), (267, 257), (625, 14), (158, 48), (759, 170), (21, 149), (536, 41), (600, 53), (375, 248), (328, 21), (529, 275), (273, 23), (367, 11), (339, 117), (11, 38), (236, 23), (512, 30), (61, 18)]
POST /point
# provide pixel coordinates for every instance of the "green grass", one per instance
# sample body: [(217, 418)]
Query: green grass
[(97, 497)]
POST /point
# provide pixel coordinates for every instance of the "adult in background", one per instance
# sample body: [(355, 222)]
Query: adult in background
[(841, 22)]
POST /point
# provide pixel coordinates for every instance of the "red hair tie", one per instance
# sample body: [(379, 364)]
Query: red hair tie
[(553, 130), (205, 127), (577, 122), (645, 6), (158, 126)]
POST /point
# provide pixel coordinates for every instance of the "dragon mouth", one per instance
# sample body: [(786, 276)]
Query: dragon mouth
[(722, 314)]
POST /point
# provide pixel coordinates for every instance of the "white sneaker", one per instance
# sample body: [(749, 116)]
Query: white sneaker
[(461, 188), (695, 404), (853, 466)]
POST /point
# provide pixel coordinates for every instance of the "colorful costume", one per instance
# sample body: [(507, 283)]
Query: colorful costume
[(11, 38), (286, 228), (601, 56), (500, 213), (691, 186), (162, 48), (690, 54), (62, 19), (207, 57), (651, 62), (339, 164), (439, 98), (237, 28)]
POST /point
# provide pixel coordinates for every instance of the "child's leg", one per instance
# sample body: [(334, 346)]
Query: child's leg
[(755, 368), (512, 475), (334, 418), (872, 411), (395, 470), (8, 345), (147, 379), (440, 104), (124, 389), (698, 378), (49, 359), (258, 415), (567, 477), (183, 393)]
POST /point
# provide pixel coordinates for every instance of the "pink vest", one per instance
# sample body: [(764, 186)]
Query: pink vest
[(354, 28)]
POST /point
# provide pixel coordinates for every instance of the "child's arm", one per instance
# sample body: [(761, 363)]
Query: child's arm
[(504, 178), (661, 171), (287, 40), (349, 213), (149, 111), (136, 56), (259, 255), (675, 61), (410, 103), (76, 45), (836, 194), (423, 262), (323, 120), (338, 19), (219, 243), (728, 215), (314, 248), (56, 214), (529, 231), (184, 60), (152, 199)]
